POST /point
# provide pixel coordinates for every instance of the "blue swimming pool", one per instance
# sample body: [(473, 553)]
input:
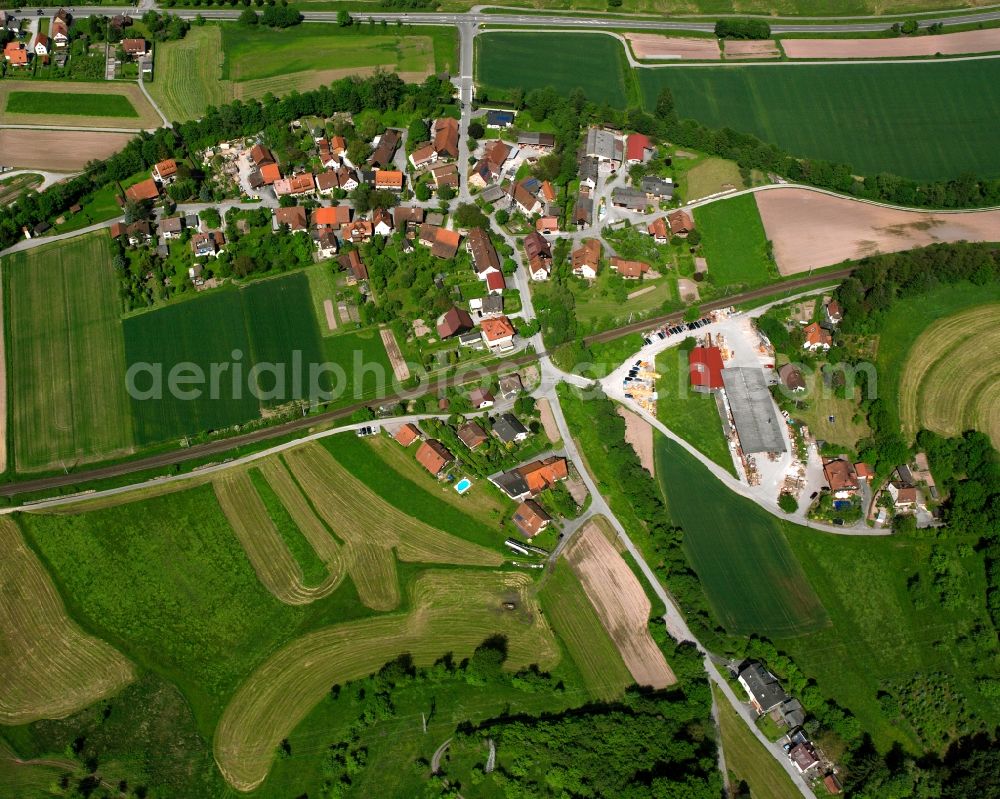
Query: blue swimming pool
[(463, 485)]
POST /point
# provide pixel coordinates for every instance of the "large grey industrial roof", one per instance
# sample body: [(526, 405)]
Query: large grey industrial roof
[(757, 421)]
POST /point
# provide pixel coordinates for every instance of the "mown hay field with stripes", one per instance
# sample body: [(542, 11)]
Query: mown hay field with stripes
[(65, 355), (50, 666), (951, 379), (452, 611)]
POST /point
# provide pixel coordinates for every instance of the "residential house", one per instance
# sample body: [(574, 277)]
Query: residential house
[(147, 189), (326, 155), (445, 243), (270, 174), (659, 230), (657, 188), (171, 227), (499, 120), (389, 180), (547, 225), (294, 217), (472, 435), (453, 322), (356, 269), (804, 757), (165, 170), (509, 429), (208, 244), (841, 477), (511, 385), (259, 156), (445, 175), (548, 192), (381, 222), (792, 713), (587, 169), (490, 305), (407, 434), (326, 243), (404, 215), (358, 231), (586, 259), (423, 156), (41, 45), (629, 198), (472, 339), (834, 313), (816, 338), (59, 32), (583, 210), (331, 217), (484, 254), (481, 398), (446, 137), (295, 185), (762, 687), (526, 202), (791, 378), (680, 223), (542, 475), (347, 179), (434, 456), (705, 369), (604, 145), (638, 148), (338, 146), (540, 141), (531, 518), (138, 233), (630, 270), (134, 47), (864, 471), (495, 283), (385, 149), (498, 333), (490, 166), (904, 496), (492, 194)]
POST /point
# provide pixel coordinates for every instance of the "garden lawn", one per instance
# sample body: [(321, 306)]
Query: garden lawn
[(751, 577), (184, 600), (734, 243), (860, 114), (85, 105), (690, 414), (65, 355), (507, 60)]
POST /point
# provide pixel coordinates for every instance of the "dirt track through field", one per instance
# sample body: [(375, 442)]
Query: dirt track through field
[(811, 230), (57, 150), (50, 667), (399, 367), (621, 604), (269, 555), (639, 435), (984, 41), (453, 611)]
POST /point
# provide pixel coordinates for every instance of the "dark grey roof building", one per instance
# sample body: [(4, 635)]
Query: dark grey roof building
[(753, 409), (762, 687), (508, 429)]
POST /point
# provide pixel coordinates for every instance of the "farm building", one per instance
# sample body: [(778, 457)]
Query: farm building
[(446, 137), (143, 190), (453, 322), (407, 434), (757, 422), (542, 141), (705, 369), (762, 687), (445, 243), (638, 148), (604, 145), (354, 266), (657, 188), (331, 216), (531, 518), (434, 456), (628, 198)]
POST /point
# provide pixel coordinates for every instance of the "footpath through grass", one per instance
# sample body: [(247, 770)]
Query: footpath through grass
[(735, 243), (84, 105), (752, 578)]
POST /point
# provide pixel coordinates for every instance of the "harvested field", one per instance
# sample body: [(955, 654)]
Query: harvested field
[(399, 366), (652, 46), (548, 421), (810, 229), (951, 379), (453, 611), (58, 150), (639, 434), (50, 667), (367, 523), (621, 604), (26, 93), (274, 563), (984, 41), (765, 48)]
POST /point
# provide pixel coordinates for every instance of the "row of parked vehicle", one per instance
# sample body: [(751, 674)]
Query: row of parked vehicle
[(685, 327)]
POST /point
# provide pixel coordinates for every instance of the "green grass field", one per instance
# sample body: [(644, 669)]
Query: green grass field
[(507, 61), (751, 577), (863, 115), (84, 105), (365, 363), (734, 243), (689, 414), (66, 359)]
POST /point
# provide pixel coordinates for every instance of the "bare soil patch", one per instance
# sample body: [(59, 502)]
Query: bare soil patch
[(688, 289), (811, 230), (548, 420), (3, 391), (984, 41), (331, 316), (766, 48), (58, 150), (621, 604), (639, 292), (639, 434), (148, 118), (399, 367), (681, 48)]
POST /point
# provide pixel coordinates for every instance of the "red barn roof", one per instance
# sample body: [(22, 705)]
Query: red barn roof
[(706, 367), (635, 145)]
